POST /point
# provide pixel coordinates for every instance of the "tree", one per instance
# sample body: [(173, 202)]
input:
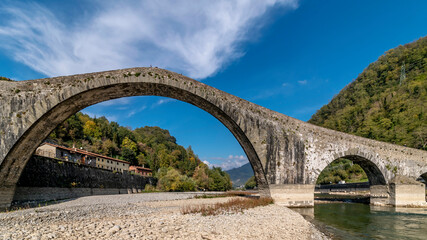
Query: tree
[(108, 147), (129, 149), (90, 130), (201, 177), (220, 180), (251, 183), (172, 180)]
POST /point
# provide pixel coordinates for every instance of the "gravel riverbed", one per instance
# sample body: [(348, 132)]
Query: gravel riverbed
[(151, 216)]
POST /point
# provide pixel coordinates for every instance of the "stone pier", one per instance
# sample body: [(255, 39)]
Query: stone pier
[(379, 195), (408, 195), (293, 195), (6, 196), (399, 195)]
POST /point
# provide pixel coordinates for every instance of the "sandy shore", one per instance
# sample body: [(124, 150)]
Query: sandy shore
[(151, 216)]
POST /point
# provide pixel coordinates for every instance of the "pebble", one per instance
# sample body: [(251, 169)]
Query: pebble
[(151, 216)]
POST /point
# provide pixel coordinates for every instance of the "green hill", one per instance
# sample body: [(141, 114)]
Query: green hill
[(387, 101), (177, 168)]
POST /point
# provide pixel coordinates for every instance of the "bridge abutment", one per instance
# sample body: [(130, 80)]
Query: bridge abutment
[(408, 195), (399, 195), (379, 195), (6, 196), (293, 195)]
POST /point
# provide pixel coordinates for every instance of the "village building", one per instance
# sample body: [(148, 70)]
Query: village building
[(141, 171), (81, 156)]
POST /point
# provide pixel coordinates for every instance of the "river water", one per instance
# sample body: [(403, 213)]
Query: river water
[(362, 221)]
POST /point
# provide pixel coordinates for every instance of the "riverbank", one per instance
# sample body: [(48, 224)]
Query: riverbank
[(152, 216)]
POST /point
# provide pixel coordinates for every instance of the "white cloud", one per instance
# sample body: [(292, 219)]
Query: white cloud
[(232, 161), (116, 102), (303, 82), (196, 39), (163, 101), (133, 112)]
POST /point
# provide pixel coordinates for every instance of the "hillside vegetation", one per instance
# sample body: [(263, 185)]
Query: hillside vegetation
[(382, 103), (177, 168), (386, 102)]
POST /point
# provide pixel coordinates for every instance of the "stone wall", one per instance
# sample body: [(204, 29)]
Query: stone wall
[(347, 187), (49, 179)]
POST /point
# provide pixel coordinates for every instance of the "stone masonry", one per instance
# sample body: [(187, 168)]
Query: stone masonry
[(283, 151)]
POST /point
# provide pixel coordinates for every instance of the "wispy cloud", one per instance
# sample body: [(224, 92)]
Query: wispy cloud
[(232, 161), (163, 101), (285, 88), (196, 39), (303, 82), (116, 102), (133, 112)]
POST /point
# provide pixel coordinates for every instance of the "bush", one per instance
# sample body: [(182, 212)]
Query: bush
[(251, 183), (234, 205), (171, 180), (149, 188)]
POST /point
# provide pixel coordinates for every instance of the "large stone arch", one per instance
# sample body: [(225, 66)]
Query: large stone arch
[(55, 112)]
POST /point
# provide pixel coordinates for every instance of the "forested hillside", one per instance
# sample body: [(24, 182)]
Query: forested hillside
[(177, 168), (387, 101)]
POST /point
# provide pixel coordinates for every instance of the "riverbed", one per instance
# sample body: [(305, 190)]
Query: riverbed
[(363, 221)]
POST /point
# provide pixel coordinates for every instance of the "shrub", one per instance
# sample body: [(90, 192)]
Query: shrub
[(251, 183), (234, 205)]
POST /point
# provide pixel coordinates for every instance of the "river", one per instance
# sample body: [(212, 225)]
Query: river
[(362, 221)]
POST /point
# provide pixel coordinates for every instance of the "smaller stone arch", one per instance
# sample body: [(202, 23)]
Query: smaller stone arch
[(423, 178), (365, 161), (377, 181)]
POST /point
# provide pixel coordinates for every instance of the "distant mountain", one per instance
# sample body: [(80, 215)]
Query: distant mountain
[(387, 101), (240, 175)]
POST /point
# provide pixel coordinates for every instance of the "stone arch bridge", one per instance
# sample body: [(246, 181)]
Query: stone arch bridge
[(287, 155)]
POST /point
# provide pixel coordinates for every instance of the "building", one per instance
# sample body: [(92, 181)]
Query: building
[(141, 171), (81, 156)]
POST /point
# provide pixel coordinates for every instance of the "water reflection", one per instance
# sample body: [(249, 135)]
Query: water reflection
[(362, 221)]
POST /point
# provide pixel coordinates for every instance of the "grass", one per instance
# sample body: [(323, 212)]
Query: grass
[(226, 194), (234, 205)]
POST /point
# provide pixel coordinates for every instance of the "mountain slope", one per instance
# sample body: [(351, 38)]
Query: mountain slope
[(240, 175), (387, 101)]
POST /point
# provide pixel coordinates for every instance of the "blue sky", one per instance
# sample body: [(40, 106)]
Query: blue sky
[(287, 55)]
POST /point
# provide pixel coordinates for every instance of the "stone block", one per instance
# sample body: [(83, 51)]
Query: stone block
[(293, 195), (408, 195), (6, 196), (379, 195)]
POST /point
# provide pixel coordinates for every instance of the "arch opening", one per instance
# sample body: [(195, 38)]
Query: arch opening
[(18, 156), (351, 173), (355, 165), (423, 178)]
